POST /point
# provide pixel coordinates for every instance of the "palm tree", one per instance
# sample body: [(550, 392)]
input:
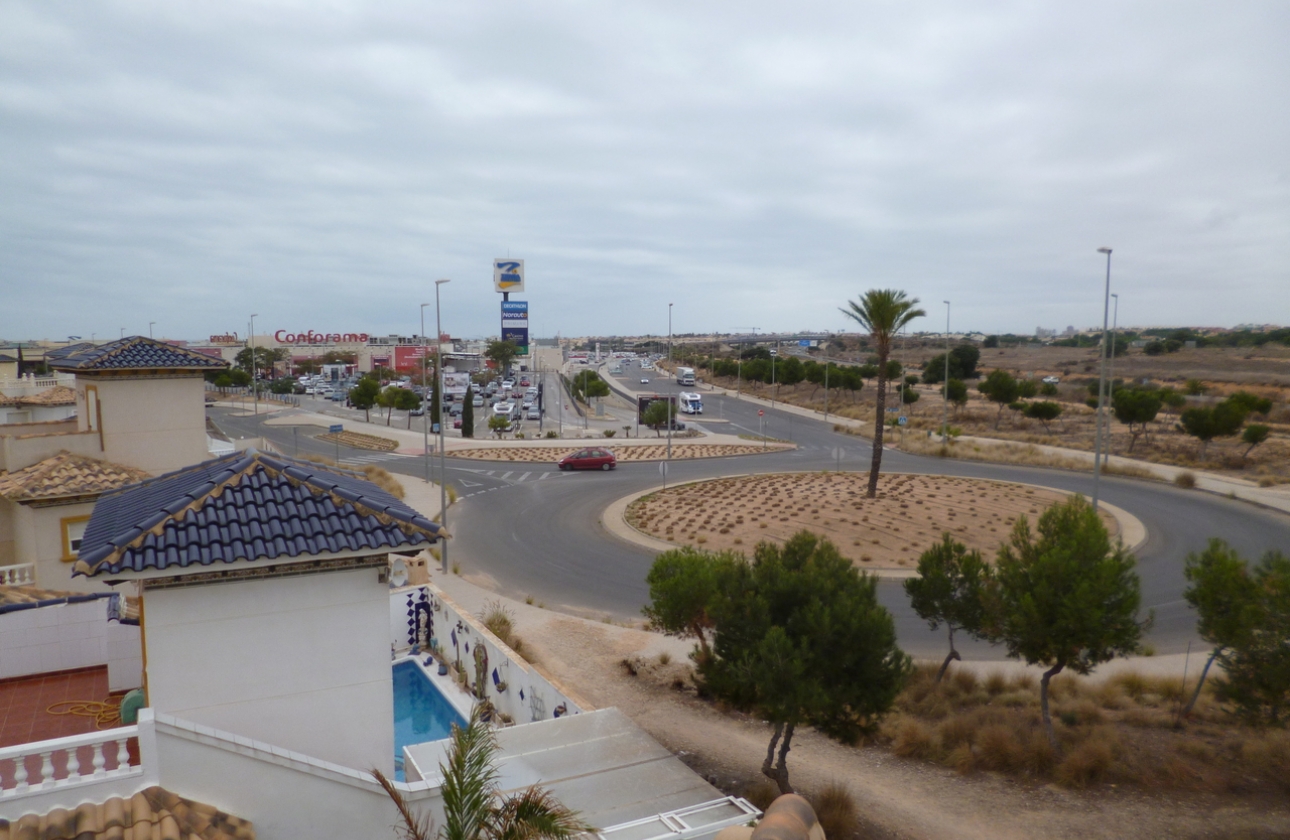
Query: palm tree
[(474, 808), (882, 312)]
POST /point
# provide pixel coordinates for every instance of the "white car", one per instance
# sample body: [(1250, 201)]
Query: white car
[(1051, 380), (477, 401), (644, 381)]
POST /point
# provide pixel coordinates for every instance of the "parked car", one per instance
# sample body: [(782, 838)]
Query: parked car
[(534, 413), (524, 382), (594, 458), (417, 412), (644, 380), (1051, 380), (456, 421), (478, 401)]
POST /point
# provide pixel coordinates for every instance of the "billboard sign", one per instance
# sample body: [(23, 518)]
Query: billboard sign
[(456, 383), (515, 323), (508, 275)]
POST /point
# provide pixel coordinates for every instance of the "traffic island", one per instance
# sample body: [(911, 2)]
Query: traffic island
[(884, 534)]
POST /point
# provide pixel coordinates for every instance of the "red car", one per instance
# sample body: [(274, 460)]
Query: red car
[(588, 459)]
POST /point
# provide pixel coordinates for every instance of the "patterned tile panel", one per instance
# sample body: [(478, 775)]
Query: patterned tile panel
[(66, 475)]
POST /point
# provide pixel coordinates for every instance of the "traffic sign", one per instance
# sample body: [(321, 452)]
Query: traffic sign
[(336, 429), (761, 413), (901, 421), (662, 467)]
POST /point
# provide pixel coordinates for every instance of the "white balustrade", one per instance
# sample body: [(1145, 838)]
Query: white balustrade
[(21, 574), (15, 778)]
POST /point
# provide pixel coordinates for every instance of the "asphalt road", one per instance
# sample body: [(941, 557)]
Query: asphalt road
[(537, 532)]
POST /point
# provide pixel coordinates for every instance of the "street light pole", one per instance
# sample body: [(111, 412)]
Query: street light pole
[(443, 468), (669, 397), (1110, 376), (150, 323), (250, 340), (425, 412), (1101, 378), (945, 401)]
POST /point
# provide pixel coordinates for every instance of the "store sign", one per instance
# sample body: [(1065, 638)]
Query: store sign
[(227, 338), (456, 383), (311, 337), (515, 323), (508, 275)]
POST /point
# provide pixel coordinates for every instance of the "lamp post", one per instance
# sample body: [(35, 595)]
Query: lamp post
[(150, 323), (669, 398), (1110, 375), (425, 415), (122, 332), (945, 401), (1101, 378), (250, 340), (443, 468), (669, 335)]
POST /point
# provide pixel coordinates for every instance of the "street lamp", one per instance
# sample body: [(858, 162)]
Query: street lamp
[(425, 415), (250, 340), (1110, 374), (669, 335), (945, 408), (150, 323), (443, 468), (1101, 378), (123, 332)]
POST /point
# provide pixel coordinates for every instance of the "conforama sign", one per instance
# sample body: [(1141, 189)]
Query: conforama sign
[(311, 337)]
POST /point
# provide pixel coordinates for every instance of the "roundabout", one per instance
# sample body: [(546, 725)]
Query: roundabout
[(884, 535), (557, 541)]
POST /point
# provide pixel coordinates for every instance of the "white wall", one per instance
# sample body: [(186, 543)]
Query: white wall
[(285, 796), (61, 637), (156, 424), (300, 662)]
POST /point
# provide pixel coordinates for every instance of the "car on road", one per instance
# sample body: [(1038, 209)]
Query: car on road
[(1051, 380), (594, 458), (478, 401), (534, 413), (456, 421), (416, 412), (508, 384), (644, 380)]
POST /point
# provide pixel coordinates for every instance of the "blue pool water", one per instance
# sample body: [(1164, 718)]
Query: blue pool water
[(421, 713)]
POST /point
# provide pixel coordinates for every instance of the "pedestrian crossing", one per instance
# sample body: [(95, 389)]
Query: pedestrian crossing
[(376, 457), (517, 476)]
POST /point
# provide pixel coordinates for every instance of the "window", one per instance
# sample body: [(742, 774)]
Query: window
[(73, 533)]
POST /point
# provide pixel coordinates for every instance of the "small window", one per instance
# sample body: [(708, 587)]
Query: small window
[(73, 533)]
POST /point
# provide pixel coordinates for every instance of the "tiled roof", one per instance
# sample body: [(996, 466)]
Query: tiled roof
[(5, 357), (137, 352), (66, 475), (151, 813), (245, 506), (58, 395)]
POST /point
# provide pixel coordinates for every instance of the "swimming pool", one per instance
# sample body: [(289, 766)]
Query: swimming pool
[(421, 713)]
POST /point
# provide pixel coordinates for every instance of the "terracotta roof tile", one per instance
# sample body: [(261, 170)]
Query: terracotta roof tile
[(136, 352), (58, 395), (151, 813), (66, 475)]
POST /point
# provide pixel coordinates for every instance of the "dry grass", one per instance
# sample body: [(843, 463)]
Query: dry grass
[(1123, 730), (836, 810), (500, 621), (382, 479)]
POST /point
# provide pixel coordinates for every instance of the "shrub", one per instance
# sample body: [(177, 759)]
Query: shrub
[(1185, 479), (552, 434), (1090, 760), (836, 810), (499, 620), (914, 740), (610, 433)]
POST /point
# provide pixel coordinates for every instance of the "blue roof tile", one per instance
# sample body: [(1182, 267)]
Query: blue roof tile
[(243, 506), (136, 352)]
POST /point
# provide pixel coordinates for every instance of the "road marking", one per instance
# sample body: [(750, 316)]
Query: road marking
[(507, 475), (523, 477), (465, 483)]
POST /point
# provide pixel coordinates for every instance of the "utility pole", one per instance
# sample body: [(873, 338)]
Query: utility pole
[(945, 407), (1110, 376), (443, 468)]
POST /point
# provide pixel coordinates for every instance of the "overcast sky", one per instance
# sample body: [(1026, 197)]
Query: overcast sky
[(754, 163)]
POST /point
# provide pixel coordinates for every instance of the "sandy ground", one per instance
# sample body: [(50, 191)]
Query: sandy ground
[(909, 515), (898, 798)]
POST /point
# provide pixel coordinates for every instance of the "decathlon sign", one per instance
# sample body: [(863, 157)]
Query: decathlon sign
[(515, 322), (311, 337), (508, 275)]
